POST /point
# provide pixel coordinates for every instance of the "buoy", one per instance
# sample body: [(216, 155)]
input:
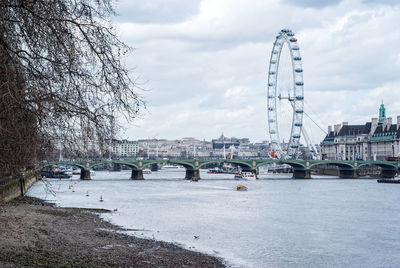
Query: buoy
[(87, 193), (101, 198), (73, 189)]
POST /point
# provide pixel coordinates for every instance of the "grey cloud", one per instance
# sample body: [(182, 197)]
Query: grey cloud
[(313, 3), (156, 11), (347, 54), (382, 2)]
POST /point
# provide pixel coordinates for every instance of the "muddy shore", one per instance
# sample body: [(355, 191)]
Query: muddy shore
[(37, 234)]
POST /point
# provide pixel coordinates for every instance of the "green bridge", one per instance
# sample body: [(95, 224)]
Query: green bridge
[(301, 168)]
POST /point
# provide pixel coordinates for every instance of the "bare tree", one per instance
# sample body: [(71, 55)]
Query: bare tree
[(61, 77)]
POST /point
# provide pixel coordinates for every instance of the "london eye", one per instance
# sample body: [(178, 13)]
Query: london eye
[(285, 95)]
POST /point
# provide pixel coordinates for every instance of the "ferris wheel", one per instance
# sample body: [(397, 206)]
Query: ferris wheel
[(292, 94)]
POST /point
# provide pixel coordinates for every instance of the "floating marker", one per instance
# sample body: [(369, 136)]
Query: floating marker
[(73, 189), (87, 193), (101, 198)]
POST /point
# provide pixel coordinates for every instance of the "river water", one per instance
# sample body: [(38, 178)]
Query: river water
[(278, 222)]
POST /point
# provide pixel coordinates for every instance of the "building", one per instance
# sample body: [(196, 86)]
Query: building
[(124, 148), (187, 147), (223, 141), (375, 140)]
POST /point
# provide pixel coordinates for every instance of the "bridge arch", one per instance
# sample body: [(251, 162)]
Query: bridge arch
[(380, 164), (299, 165), (388, 170), (128, 164), (97, 163), (148, 163), (340, 164), (66, 163), (345, 169), (185, 164), (260, 163), (243, 164)]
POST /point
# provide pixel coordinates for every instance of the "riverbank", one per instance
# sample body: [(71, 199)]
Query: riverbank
[(35, 233)]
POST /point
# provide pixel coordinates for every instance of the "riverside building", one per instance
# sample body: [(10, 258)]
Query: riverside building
[(125, 148), (375, 140)]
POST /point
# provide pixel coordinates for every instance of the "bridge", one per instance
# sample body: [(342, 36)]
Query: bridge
[(301, 168)]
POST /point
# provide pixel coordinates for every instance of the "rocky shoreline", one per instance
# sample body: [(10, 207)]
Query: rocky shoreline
[(34, 233)]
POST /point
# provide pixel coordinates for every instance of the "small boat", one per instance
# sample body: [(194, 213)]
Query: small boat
[(55, 174), (171, 167), (238, 176), (76, 171), (214, 170), (241, 187), (146, 171), (388, 181), (245, 176)]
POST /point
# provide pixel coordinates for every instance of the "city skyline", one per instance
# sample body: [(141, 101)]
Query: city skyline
[(203, 64)]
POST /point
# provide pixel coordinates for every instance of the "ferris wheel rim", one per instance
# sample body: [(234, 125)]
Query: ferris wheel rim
[(285, 36)]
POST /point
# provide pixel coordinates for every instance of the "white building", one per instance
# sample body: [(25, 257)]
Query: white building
[(375, 140), (125, 148)]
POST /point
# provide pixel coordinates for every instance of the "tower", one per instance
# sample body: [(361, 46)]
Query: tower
[(382, 113)]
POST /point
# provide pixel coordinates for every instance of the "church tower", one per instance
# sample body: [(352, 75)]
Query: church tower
[(382, 113)]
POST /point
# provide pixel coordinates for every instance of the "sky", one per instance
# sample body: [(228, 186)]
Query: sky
[(202, 65)]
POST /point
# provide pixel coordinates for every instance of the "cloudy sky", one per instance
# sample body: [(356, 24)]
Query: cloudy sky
[(203, 64)]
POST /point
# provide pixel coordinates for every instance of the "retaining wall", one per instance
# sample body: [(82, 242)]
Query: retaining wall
[(18, 187)]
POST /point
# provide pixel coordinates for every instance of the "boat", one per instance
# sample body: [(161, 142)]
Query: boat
[(171, 167), (238, 176), (241, 187), (248, 176), (214, 170), (146, 171), (55, 174), (388, 181), (245, 176), (76, 171)]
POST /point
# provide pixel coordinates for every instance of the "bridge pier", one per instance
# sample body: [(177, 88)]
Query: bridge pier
[(355, 173), (196, 171), (301, 174), (85, 172), (192, 174), (346, 173), (254, 169), (137, 174)]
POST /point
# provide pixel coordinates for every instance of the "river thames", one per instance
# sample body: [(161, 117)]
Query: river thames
[(278, 222)]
